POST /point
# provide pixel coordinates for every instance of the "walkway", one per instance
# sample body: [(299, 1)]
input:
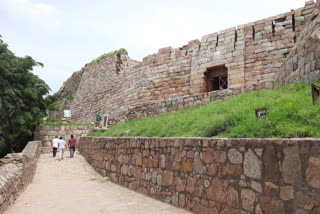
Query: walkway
[(72, 186)]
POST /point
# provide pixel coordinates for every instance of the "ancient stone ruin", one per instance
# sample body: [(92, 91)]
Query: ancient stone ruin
[(259, 55)]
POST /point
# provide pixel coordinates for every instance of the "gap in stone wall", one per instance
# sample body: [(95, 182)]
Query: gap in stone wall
[(293, 23), (217, 40), (253, 32), (273, 28), (235, 37)]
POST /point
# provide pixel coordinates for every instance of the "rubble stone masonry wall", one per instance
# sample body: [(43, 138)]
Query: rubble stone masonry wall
[(117, 86), (270, 176), (17, 173), (46, 134)]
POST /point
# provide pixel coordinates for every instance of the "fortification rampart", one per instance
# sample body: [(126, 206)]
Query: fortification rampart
[(244, 58), (303, 62), (270, 176), (17, 173)]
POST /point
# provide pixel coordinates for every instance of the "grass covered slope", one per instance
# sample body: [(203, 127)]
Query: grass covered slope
[(291, 114)]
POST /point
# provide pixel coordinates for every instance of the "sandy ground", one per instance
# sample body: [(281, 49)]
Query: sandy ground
[(72, 186)]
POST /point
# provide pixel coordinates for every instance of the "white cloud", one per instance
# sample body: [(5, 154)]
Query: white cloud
[(41, 14), (157, 33)]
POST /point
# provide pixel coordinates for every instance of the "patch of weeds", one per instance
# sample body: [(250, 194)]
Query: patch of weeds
[(121, 51), (199, 47)]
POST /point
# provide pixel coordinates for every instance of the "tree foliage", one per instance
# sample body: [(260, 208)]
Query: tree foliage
[(22, 102)]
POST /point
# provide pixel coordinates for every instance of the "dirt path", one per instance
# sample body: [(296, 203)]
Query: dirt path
[(72, 186)]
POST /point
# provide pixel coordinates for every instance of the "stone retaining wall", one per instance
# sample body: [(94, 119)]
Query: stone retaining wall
[(203, 175), (46, 134), (19, 172)]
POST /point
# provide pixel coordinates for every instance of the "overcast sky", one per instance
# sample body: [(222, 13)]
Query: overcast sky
[(67, 34)]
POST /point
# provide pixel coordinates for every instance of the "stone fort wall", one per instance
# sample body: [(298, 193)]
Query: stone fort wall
[(173, 78), (270, 176), (303, 62)]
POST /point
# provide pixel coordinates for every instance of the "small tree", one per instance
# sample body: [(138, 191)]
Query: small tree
[(22, 102)]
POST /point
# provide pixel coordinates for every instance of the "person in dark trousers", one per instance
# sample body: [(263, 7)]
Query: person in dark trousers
[(72, 146), (98, 119), (55, 143)]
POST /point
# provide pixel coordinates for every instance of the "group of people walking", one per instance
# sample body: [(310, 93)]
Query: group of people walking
[(60, 143)]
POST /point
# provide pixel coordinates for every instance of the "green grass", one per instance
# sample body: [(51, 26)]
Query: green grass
[(58, 122), (291, 114)]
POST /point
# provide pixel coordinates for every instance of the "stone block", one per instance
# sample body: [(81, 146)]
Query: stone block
[(212, 169), (234, 156), (220, 156), (256, 186), (271, 206), (159, 179), (291, 166), (175, 199), (271, 189), (271, 165), (232, 170), (216, 192), (186, 165), (179, 184), (252, 165), (198, 167), (233, 198), (313, 172), (139, 159), (46, 144), (207, 157), (200, 209), (167, 178), (52, 133), (191, 184), (248, 198), (286, 193), (304, 201)]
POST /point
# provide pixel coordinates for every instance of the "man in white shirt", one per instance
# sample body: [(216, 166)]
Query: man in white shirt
[(55, 143), (62, 147)]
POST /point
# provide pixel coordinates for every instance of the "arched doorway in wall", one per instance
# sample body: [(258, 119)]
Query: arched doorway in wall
[(215, 78)]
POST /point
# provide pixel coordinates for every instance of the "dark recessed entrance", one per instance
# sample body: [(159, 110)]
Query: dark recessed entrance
[(215, 79)]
